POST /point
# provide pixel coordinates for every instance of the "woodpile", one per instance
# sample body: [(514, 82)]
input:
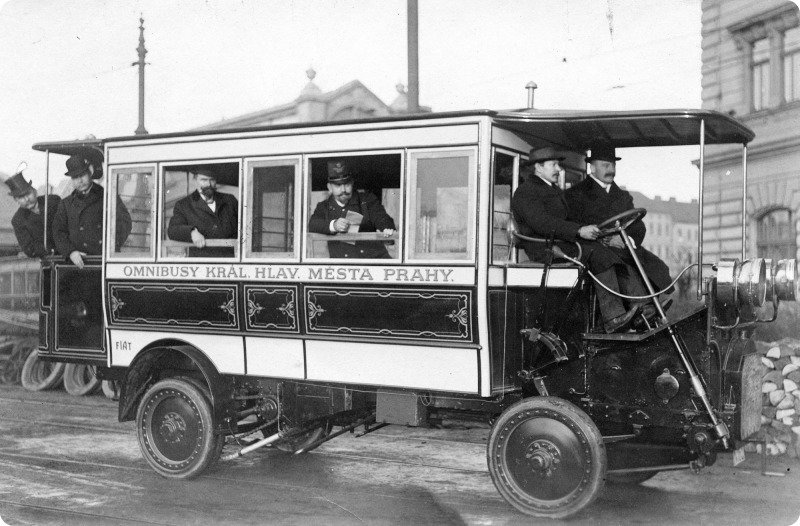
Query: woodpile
[(780, 400)]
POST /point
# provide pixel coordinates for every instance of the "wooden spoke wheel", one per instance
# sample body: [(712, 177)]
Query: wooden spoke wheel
[(176, 429), (546, 457), (38, 375), (630, 478), (80, 379)]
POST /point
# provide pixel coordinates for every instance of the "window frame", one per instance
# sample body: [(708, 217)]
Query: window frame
[(111, 226), (247, 190), (472, 202), (162, 226), (517, 162), (308, 207), (791, 240)]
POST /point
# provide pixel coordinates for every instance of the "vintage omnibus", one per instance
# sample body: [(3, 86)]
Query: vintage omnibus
[(274, 342)]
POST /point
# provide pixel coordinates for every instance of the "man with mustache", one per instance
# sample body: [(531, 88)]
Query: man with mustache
[(205, 214), (329, 217), (78, 221), (598, 198), (28, 221)]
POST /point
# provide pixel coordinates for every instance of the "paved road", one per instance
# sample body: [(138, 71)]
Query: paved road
[(67, 460)]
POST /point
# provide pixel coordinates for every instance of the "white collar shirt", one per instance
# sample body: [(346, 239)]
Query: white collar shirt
[(604, 186)]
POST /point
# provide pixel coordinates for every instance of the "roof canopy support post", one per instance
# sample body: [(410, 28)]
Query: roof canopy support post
[(46, 195), (700, 211), (744, 202)]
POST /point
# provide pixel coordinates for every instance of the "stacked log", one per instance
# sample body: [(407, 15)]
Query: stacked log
[(780, 388)]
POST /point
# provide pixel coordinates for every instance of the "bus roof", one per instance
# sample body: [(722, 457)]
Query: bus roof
[(570, 129)]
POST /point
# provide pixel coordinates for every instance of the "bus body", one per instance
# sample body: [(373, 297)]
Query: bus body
[(278, 340)]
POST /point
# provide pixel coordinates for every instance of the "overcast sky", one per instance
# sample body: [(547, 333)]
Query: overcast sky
[(67, 66)]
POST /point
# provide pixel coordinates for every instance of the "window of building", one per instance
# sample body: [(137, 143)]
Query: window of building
[(186, 189), (271, 214), (131, 233), (760, 74), (442, 203), (372, 206), (791, 64), (776, 237), (501, 211)]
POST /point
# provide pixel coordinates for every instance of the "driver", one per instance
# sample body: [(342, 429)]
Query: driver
[(598, 198), (539, 209)]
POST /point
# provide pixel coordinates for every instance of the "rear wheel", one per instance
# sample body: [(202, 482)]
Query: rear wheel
[(176, 429), (38, 375), (546, 457), (302, 441), (80, 379)]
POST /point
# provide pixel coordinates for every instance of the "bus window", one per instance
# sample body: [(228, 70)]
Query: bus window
[(201, 210), (271, 214), (442, 203), (370, 201), (501, 207), (135, 188)]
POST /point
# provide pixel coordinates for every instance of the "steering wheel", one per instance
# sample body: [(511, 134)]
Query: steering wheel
[(621, 221)]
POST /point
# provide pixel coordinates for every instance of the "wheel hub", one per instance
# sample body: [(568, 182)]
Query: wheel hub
[(543, 457), (172, 427)]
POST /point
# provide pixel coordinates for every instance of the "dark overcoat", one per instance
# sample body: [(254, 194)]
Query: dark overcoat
[(540, 210), (375, 219), (192, 212), (78, 223), (28, 227), (590, 204)]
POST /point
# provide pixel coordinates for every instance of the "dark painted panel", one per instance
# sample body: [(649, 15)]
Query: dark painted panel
[(271, 309), (79, 315), (438, 315), (174, 305)]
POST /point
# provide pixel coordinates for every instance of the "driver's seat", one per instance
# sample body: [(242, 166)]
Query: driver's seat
[(515, 239)]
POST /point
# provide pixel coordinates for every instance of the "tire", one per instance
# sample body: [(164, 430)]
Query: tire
[(38, 375), (176, 430), (80, 379), (546, 457), (630, 478), (110, 389)]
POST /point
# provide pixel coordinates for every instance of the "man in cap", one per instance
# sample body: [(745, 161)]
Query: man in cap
[(540, 210), (330, 216), (28, 221), (205, 214), (598, 198), (78, 221)]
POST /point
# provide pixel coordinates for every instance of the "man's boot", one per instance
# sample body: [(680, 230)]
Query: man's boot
[(615, 317)]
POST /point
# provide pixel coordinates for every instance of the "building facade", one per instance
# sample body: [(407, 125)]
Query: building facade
[(350, 101), (751, 70)]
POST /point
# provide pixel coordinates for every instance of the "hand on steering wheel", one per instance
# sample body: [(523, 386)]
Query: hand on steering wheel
[(614, 224)]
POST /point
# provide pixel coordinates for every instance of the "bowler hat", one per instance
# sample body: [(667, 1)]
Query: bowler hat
[(540, 155), (204, 171), (77, 166), (338, 173), (603, 152), (18, 185)]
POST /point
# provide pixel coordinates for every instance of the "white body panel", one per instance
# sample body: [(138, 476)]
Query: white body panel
[(410, 366), (279, 357)]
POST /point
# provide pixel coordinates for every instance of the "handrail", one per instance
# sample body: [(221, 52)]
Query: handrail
[(171, 243), (360, 236)]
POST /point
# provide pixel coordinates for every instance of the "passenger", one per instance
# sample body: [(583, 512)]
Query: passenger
[(78, 221), (28, 221), (540, 210), (598, 198), (205, 214), (329, 217)]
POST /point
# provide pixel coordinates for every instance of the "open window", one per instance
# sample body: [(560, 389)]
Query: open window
[(271, 214), (442, 204), (133, 211), (504, 173), (372, 207), (190, 206)]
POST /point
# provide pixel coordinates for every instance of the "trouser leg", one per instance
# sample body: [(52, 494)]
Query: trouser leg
[(610, 305)]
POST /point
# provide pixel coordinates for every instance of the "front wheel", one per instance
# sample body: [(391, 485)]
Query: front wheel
[(546, 457), (176, 429)]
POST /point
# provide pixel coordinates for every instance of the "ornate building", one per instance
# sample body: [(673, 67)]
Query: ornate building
[(350, 101), (751, 69)]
